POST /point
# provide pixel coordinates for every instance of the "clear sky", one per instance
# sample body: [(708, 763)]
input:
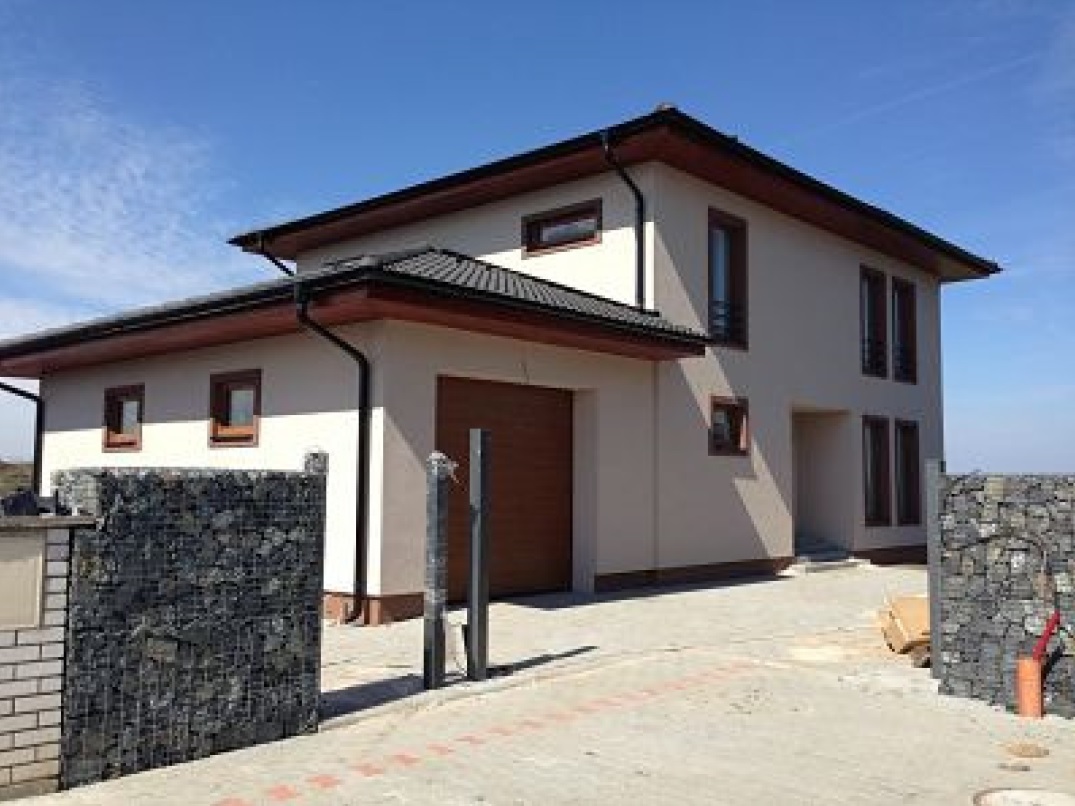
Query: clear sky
[(136, 136)]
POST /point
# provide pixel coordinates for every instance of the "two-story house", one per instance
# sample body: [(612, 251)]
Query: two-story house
[(694, 361)]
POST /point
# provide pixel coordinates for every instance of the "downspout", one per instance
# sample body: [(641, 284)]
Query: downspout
[(640, 222), (39, 429), (302, 303)]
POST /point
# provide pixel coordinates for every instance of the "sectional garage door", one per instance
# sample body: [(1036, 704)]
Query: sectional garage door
[(530, 482)]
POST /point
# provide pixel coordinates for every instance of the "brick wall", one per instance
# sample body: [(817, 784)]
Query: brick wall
[(1006, 560), (31, 672), (194, 618)]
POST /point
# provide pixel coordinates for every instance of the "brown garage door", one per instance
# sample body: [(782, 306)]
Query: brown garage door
[(530, 483)]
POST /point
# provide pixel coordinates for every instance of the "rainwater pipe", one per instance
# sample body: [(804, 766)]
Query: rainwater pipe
[(640, 221), (39, 429), (302, 313)]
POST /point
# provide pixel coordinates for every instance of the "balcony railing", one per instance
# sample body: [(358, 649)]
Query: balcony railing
[(874, 355), (904, 364), (727, 322)]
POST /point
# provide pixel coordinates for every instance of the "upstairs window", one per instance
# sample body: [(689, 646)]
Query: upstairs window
[(727, 279), (904, 336), (874, 324), (235, 408), (123, 416), (875, 473), (577, 225), (728, 433), (908, 478)]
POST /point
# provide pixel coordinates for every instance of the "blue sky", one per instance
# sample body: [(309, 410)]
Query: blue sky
[(135, 137)]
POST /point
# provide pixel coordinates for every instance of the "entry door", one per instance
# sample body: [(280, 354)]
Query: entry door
[(529, 487)]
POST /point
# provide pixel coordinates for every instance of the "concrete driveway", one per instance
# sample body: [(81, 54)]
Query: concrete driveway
[(778, 691)]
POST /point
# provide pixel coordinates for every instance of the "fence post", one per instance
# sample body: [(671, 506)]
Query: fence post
[(934, 477), (478, 599), (438, 474)]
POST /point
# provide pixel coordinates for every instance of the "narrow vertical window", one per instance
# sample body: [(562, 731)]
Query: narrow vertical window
[(727, 279), (875, 472), (873, 323), (908, 479), (904, 327), (235, 408), (123, 418)]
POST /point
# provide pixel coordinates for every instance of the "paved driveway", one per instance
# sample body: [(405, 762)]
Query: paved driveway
[(777, 692)]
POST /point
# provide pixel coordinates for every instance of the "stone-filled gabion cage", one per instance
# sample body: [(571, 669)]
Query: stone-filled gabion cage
[(1006, 561), (194, 623)]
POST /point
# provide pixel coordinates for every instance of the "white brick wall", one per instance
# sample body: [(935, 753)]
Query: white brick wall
[(31, 682)]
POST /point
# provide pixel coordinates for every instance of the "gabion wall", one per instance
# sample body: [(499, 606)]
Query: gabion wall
[(1007, 559), (194, 623)]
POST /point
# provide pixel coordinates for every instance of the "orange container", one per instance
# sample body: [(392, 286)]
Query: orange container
[(1028, 699)]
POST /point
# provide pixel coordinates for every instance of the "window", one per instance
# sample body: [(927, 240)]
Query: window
[(728, 432), (904, 325), (874, 324), (727, 279), (123, 418), (235, 408), (908, 486), (578, 225), (875, 471)]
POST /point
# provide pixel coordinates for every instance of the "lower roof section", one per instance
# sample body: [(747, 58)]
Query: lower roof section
[(431, 286)]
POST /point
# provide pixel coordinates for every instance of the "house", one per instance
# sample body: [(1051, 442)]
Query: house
[(695, 362)]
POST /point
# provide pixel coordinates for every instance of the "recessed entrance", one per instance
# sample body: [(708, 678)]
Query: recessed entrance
[(824, 481), (530, 482)]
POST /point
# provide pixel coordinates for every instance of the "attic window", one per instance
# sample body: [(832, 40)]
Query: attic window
[(235, 408), (564, 228), (123, 418)]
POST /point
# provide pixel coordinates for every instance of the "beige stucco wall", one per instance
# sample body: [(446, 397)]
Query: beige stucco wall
[(309, 395), (494, 231), (804, 353), (613, 481)]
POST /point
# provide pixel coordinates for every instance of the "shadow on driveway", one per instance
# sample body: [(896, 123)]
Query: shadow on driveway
[(353, 699)]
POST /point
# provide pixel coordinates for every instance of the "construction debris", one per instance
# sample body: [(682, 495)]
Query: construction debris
[(905, 626)]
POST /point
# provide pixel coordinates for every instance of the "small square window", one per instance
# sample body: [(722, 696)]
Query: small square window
[(578, 225), (235, 408), (728, 431), (123, 418)]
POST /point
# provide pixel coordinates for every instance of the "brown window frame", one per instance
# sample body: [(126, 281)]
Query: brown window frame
[(112, 439), (734, 331), (533, 224), (873, 346), (883, 472), (738, 408), (904, 331), (908, 474), (220, 387)]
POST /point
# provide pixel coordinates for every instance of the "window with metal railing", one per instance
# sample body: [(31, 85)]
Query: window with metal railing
[(727, 279), (873, 323), (904, 336)]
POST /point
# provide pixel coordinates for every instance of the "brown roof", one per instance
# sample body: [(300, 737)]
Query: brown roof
[(666, 135)]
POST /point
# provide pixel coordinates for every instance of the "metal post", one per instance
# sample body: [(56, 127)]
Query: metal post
[(478, 599), (439, 472), (934, 477)]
